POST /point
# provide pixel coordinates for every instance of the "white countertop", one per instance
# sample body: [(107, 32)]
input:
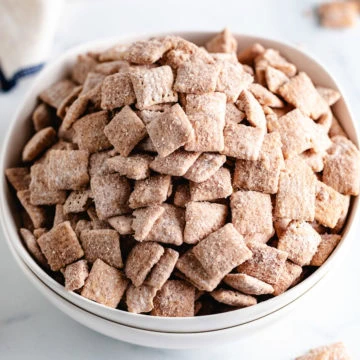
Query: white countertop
[(33, 328)]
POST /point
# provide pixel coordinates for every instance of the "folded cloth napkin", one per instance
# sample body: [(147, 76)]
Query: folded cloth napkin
[(27, 28)]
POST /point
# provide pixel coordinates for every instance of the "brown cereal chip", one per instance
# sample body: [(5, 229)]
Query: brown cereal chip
[(89, 132), (201, 219), (175, 164), (149, 115), (277, 61), (37, 214), (233, 114), (96, 222), (83, 65), (93, 79), (60, 216), (105, 284), (133, 167), (40, 194), (117, 91), (77, 201), (331, 96), (144, 220), (111, 194), (67, 169), (247, 55), (169, 227), (266, 264), (42, 117), (140, 299), (111, 67), (175, 299), (182, 195), (335, 351), (221, 251), (170, 131), (329, 205), (327, 244), (196, 77), (60, 246), (98, 164), (223, 42), (40, 231), (338, 14), (265, 97), (342, 166), (335, 128), (251, 212), (288, 277), (141, 260), (263, 237), (207, 116), (74, 112), (125, 130), (67, 102), (151, 191), (242, 141), (56, 93), (75, 275), (275, 79), (262, 174), (300, 92), (102, 244), (42, 140), (204, 167), (32, 246), (18, 177), (122, 224), (216, 187), (296, 195), (313, 159), (153, 86), (300, 241), (113, 53), (233, 298), (248, 284), (82, 225), (162, 270)]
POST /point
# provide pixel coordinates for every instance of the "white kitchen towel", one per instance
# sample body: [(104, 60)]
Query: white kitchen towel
[(27, 29)]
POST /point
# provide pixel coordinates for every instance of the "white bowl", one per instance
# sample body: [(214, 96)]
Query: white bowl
[(20, 130)]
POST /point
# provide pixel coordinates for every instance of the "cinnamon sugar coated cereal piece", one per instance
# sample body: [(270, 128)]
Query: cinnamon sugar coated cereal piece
[(56, 93), (335, 351), (74, 112), (247, 55), (60, 246), (32, 246), (83, 65), (233, 298), (327, 244), (77, 202), (331, 96), (288, 277), (122, 224), (18, 177), (140, 299), (42, 117), (223, 42), (175, 299), (265, 97), (75, 275), (338, 14), (37, 214), (233, 114), (276, 60), (275, 79), (144, 220), (248, 284), (105, 284)]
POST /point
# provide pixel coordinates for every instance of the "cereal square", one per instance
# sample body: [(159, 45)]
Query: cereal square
[(125, 130), (140, 299), (207, 116), (265, 97), (223, 42), (144, 220), (331, 96), (300, 92), (32, 246), (288, 277), (37, 214), (89, 132), (162, 270), (77, 202), (182, 195), (233, 114), (300, 241), (141, 260), (266, 264), (169, 227), (221, 251), (233, 298), (117, 91), (60, 246), (175, 299), (111, 67), (67, 169), (262, 174), (98, 164), (74, 112), (82, 225), (42, 117), (134, 167), (18, 177), (251, 212), (75, 275), (151, 191), (315, 160), (338, 14), (68, 101), (274, 59), (275, 79), (296, 195), (342, 166), (122, 224), (196, 77), (105, 284), (242, 141), (335, 351), (153, 86), (205, 166), (248, 284), (203, 218), (216, 187), (175, 164), (102, 244), (111, 194), (83, 65), (170, 131), (327, 244), (56, 93), (247, 55)]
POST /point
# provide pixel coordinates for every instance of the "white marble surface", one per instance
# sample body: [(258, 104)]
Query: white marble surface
[(31, 327)]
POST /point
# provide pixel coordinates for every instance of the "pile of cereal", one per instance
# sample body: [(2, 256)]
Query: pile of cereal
[(176, 180)]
